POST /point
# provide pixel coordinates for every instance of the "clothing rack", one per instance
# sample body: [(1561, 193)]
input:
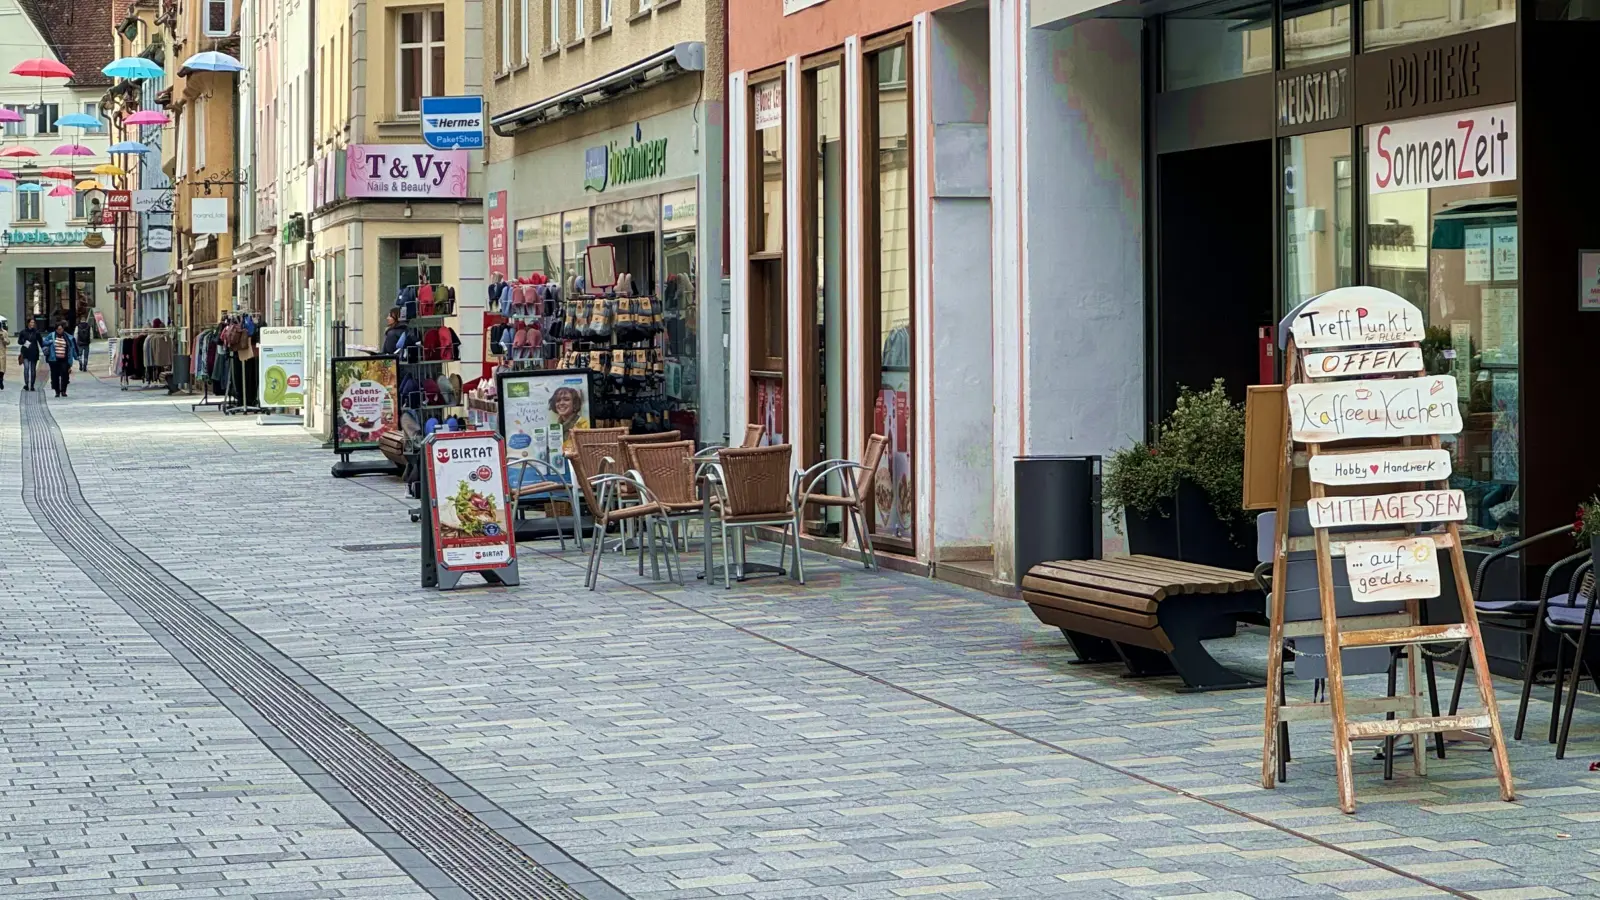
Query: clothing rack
[(205, 345), (149, 376)]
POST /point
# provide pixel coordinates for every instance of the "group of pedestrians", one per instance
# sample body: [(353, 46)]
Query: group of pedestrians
[(58, 348)]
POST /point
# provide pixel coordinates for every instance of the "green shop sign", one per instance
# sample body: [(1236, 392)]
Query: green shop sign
[(48, 238), (613, 165)]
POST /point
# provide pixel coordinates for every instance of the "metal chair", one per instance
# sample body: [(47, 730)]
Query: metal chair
[(856, 498), (752, 487), (608, 510), (1569, 617), (552, 483)]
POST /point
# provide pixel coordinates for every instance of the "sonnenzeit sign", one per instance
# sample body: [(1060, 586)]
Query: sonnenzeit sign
[(1471, 147)]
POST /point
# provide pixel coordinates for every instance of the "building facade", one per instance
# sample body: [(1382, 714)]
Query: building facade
[(607, 129), (386, 211), (55, 263)]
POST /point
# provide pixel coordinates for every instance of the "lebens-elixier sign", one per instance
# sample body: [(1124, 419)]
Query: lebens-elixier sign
[(1470, 147)]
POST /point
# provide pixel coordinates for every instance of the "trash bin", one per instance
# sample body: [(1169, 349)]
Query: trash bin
[(1057, 510)]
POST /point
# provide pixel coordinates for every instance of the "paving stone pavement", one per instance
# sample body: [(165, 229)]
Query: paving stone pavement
[(868, 735)]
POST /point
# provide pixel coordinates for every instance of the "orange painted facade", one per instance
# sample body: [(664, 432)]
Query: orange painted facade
[(760, 35)]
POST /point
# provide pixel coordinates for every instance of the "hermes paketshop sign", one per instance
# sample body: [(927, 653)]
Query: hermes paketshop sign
[(408, 171), (1470, 147)]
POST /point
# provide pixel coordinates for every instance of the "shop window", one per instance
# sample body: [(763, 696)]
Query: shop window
[(1315, 30), (1216, 42), (768, 297), (1566, 10), (1453, 251), (680, 305), (1317, 233), (420, 44), (28, 202), (574, 241), (421, 257), (1389, 22), (539, 246), (45, 117), (889, 299), (824, 306)]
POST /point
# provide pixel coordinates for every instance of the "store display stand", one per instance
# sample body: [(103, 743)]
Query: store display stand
[(1356, 381), (356, 468), (444, 578)]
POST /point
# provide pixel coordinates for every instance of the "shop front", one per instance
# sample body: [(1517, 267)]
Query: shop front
[(53, 281), (637, 189), (1292, 149)]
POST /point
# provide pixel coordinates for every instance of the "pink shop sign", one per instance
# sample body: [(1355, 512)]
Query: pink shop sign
[(404, 170)]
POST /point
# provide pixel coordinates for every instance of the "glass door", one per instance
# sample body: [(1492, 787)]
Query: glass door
[(825, 308)]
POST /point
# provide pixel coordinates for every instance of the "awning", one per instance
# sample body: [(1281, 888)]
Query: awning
[(689, 56)]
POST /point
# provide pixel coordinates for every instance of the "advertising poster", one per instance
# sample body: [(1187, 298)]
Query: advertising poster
[(894, 498), (283, 368), (1505, 253), (365, 406), (467, 483), (538, 411), (770, 411), (499, 251), (1589, 280), (1479, 269)]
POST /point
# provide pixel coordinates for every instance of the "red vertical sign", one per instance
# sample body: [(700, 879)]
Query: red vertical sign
[(499, 258)]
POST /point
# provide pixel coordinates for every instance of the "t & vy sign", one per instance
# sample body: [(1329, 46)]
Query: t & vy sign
[(407, 171)]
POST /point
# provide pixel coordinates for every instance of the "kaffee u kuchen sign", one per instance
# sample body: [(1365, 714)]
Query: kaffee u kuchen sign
[(1346, 410)]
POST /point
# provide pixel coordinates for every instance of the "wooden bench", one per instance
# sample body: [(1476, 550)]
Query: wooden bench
[(1150, 613)]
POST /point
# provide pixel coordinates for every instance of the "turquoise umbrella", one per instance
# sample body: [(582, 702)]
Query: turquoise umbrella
[(29, 187), (128, 147), (212, 61), (134, 68), (79, 120)]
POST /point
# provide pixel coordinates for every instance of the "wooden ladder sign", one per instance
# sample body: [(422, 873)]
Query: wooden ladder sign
[(1353, 372)]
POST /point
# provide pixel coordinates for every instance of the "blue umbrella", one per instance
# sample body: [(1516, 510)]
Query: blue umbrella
[(133, 67), (212, 61), (79, 120), (5, 188), (128, 147), (30, 187)]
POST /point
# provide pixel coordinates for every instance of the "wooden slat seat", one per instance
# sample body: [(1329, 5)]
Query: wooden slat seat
[(1150, 613)]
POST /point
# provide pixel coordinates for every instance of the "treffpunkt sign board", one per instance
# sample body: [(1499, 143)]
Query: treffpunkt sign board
[(1380, 467), (1371, 361), (1355, 316), (1387, 509), (1400, 407), (1382, 571)]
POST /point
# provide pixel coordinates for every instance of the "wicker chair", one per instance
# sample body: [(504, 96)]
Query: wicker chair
[(753, 435), (856, 499), (608, 510), (753, 490), (669, 471), (536, 477)]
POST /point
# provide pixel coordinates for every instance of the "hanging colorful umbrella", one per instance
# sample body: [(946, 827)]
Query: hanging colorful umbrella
[(30, 187), (88, 184), (60, 190), (148, 117), (57, 173), (8, 114), (132, 67), (79, 120), (41, 68), (72, 150), (212, 61), (7, 175), (5, 188), (109, 169), (126, 147), (19, 151)]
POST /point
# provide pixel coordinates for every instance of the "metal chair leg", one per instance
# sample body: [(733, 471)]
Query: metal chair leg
[(866, 534), (799, 564), (1461, 676), (1528, 672), (1561, 682), (596, 548), (727, 558), (1572, 693)]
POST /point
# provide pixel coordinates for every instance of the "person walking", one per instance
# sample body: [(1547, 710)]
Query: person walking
[(28, 340), (85, 337), (5, 350), (60, 349)]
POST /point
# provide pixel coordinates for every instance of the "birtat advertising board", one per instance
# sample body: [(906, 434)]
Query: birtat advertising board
[(471, 508)]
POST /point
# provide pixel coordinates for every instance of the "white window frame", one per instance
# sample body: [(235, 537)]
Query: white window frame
[(505, 35), (80, 206), (580, 21), (24, 198), (425, 59), (91, 108), (525, 32), (555, 24), (200, 133), (41, 121), (605, 14), (643, 6), (227, 18), (17, 129)]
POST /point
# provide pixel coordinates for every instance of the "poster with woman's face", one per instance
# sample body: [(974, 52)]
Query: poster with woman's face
[(538, 411)]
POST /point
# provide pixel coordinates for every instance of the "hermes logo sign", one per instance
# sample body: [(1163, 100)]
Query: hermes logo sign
[(1431, 76), (1312, 97)]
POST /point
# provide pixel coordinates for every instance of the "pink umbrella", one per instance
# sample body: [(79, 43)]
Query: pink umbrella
[(7, 175), (41, 68), (60, 190), (19, 151), (148, 117), (72, 150), (9, 115)]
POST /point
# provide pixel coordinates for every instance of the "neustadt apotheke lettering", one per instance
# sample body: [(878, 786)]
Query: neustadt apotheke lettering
[(1471, 147), (1435, 75), (1312, 97)]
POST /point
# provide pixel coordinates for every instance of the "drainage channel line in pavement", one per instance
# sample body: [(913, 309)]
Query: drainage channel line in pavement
[(445, 835), (1022, 735)]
